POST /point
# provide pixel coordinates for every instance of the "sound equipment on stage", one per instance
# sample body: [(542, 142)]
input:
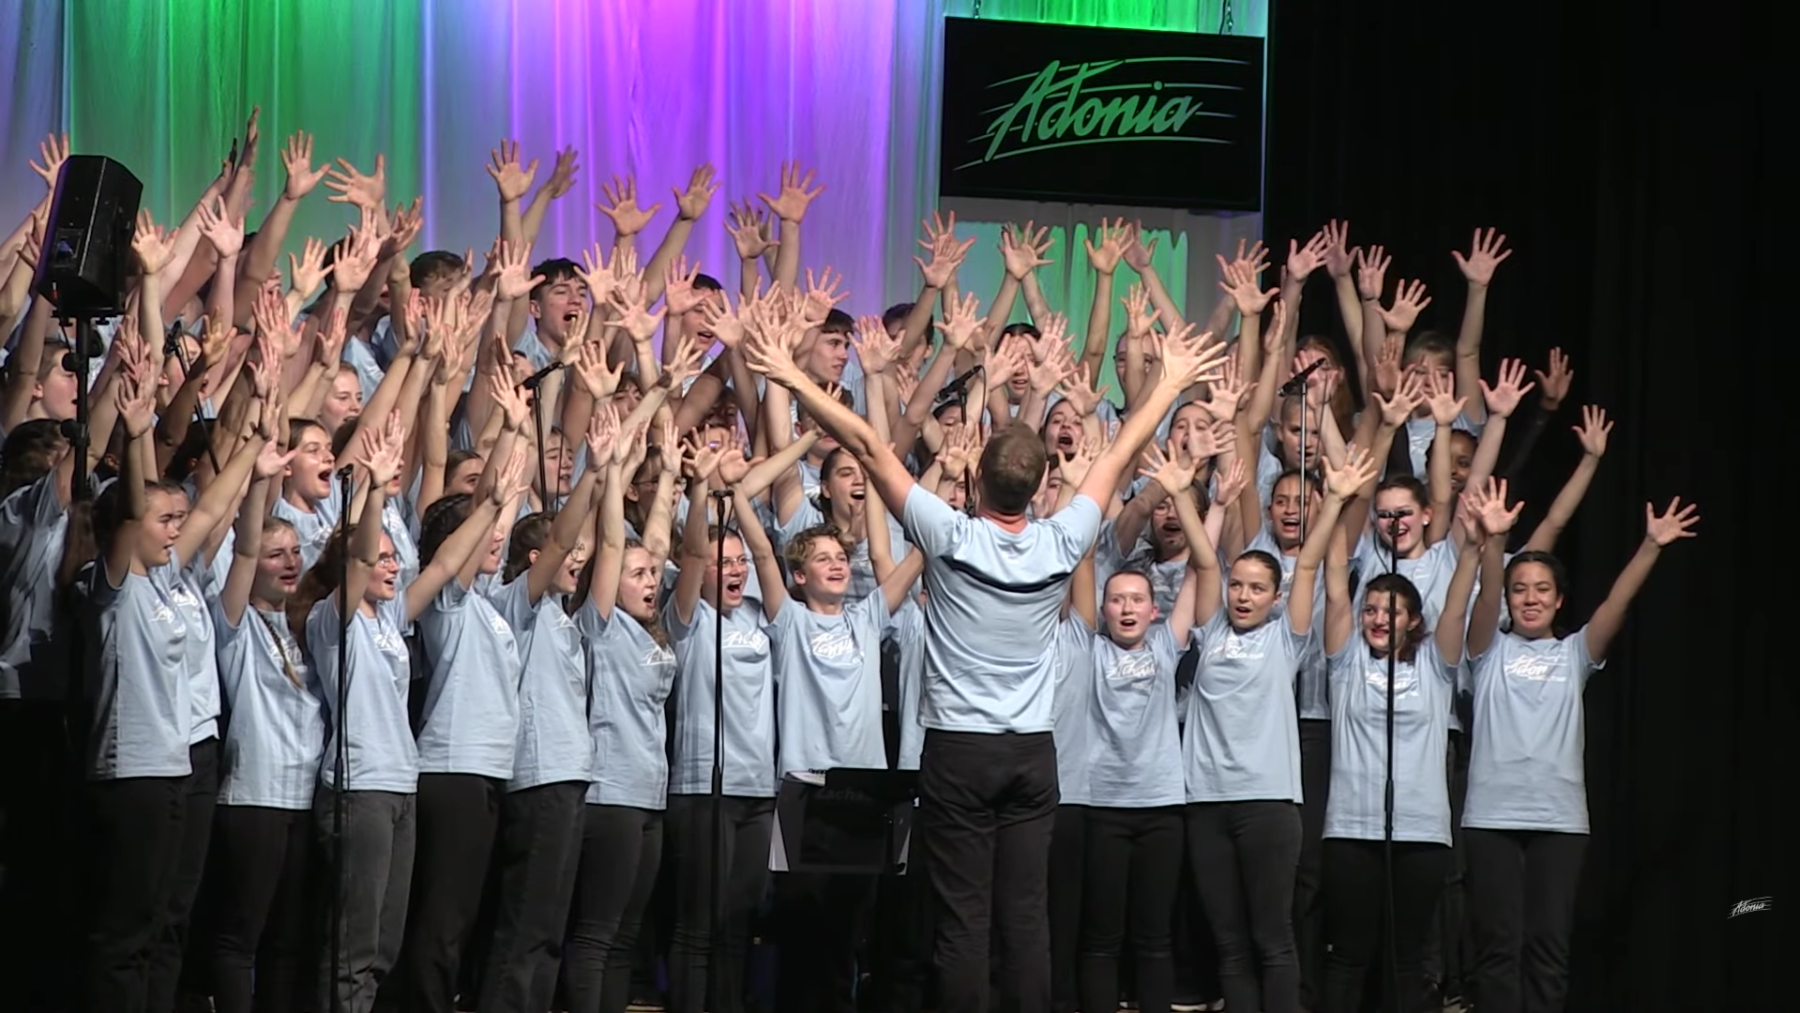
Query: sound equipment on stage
[(87, 238), (849, 820)]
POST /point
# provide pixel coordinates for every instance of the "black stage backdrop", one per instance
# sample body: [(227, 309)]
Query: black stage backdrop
[(1623, 148)]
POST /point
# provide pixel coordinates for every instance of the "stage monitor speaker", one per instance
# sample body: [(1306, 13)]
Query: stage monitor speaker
[(87, 239)]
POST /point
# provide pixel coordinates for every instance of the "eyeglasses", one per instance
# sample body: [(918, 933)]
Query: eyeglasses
[(734, 563), (388, 559)]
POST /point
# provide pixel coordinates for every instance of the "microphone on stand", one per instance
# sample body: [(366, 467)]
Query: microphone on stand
[(1297, 384), (535, 380)]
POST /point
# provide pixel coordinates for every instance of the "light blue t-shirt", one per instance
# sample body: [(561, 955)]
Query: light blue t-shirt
[(1310, 691), (1074, 707), (1134, 750), (828, 685), (1165, 575), (907, 627), (993, 601), (471, 718), (190, 593), (749, 760), (553, 743), (1430, 573), (33, 525), (1422, 690), (380, 752), (312, 527), (1421, 431), (275, 731), (1243, 734), (631, 676), (1527, 745), (135, 647)]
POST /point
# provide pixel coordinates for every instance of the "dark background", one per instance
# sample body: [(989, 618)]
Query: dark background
[(1624, 150)]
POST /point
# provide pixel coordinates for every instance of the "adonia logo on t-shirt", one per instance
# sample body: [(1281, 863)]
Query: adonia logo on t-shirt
[(1536, 668), (831, 645)]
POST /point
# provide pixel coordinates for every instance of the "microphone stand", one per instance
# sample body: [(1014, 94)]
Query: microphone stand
[(341, 761), (75, 430), (1387, 795), (716, 929)]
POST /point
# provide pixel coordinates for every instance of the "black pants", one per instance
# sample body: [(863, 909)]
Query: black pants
[(987, 806), (540, 844), (620, 852), (820, 918), (1309, 907), (1448, 951), (136, 838), (1068, 867), (901, 937), (1133, 866), (458, 821), (1521, 909), (1355, 902), (200, 795), (262, 879), (41, 824), (745, 824), (1244, 856), (380, 833)]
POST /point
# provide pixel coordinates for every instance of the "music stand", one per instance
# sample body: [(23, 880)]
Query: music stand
[(855, 821)]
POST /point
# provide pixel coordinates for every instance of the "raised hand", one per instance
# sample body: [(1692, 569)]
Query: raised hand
[(691, 203), (621, 205), (512, 480), (136, 399), (1674, 524), (270, 313), (1254, 260), (1229, 392), (679, 293), (1488, 504), (383, 450), (1371, 271), (603, 434), (1386, 368), (717, 316), (1114, 237), (962, 322), (796, 194), (1138, 252), (1485, 254), (1139, 316), (1073, 467), (54, 151), (1055, 369), (1005, 360), (822, 296), (1359, 469), (699, 460), (307, 271), (733, 465), (1337, 254), (946, 253), (271, 461), (1304, 260), (1441, 398), (1023, 248), (510, 177), (1593, 431), (634, 313), (296, 158), (152, 245), (1395, 410), (215, 223), (1409, 300), (685, 364), (509, 397), (1553, 386), (215, 341), (512, 277), (1240, 281), (1504, 396), (403, 229), (749, 228), (356, 255), (1232, 483), (1172, 467), (1189, 358), (1077, 388), (875, 347), (352, 187), (562, 174), (328, 351)]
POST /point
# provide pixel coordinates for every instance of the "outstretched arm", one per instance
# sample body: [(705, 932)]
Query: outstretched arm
[(1675, 523), (1341, 486)]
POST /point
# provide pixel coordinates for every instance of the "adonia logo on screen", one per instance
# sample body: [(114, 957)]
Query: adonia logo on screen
[(1114, 101)]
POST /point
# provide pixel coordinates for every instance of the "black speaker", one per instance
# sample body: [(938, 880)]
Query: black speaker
[(87, 240)]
